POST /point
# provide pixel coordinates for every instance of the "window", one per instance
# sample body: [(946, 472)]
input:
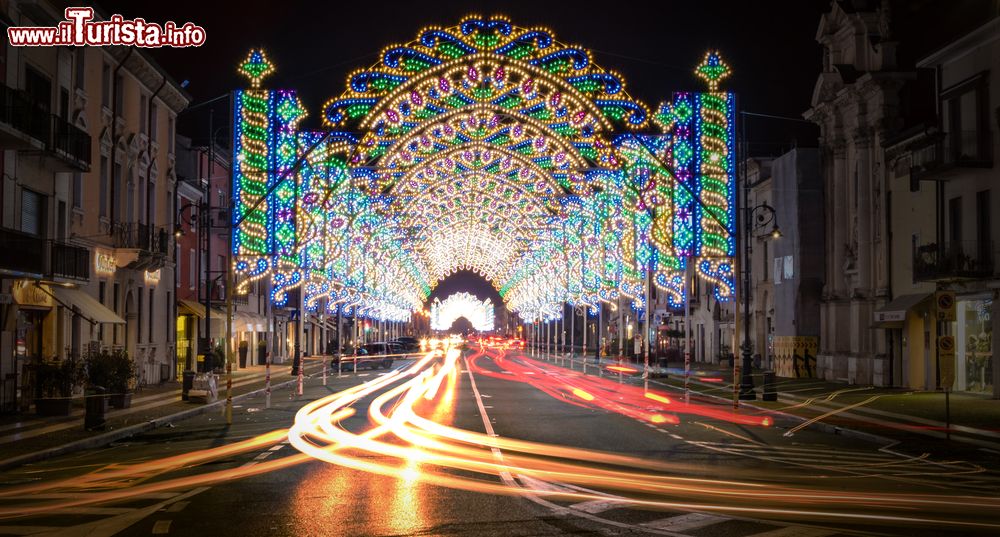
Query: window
[(143, 112), (103, 179), (77, 190), (117, 208), (222, 202), (105, 85), (64, 104), (119, 95), (32, 213), (152, 121), (955, 220), (192, 269), (152, 204), (81, 57), (38, 87), (965, 120)]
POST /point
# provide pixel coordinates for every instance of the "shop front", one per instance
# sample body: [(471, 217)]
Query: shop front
[(973, 329)]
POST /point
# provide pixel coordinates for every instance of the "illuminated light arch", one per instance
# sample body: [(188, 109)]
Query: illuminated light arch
[(445, 312), (489, 147)]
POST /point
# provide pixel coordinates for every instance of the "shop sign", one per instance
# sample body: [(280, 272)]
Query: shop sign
[(944, 306), (105, 263), (26, 293), (153, 278), (946, 360)]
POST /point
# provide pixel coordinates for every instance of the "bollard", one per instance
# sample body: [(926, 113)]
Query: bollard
[(267, 383), (770, 390), (97, 407), (301, 367), (186, 384), (229, 393)]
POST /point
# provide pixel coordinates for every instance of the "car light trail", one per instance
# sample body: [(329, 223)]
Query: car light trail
[(410, 438)]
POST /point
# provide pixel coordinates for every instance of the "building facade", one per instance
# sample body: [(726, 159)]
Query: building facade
[(945, 167), (88, 186), (856, 105)]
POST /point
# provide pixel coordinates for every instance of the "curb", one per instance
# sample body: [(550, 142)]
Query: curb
[(125, 432)]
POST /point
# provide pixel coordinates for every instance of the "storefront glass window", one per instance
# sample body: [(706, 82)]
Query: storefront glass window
[(974, 361)]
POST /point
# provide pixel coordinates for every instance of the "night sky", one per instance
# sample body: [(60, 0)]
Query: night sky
[(770, 46)]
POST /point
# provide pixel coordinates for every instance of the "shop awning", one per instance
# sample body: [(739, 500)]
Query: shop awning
[(893, 314), (87, 305), (190, 307), (244, 321)]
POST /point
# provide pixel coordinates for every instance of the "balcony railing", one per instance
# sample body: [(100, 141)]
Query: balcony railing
[(69, 261), (24, 114), (70, 140), (957, 260), (26, 253), (135, 235), (949, 153)]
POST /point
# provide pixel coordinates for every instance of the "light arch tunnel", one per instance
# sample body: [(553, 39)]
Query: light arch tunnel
[(487, 147)]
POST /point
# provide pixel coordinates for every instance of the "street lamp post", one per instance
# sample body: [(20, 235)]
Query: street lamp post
[(764, 214)]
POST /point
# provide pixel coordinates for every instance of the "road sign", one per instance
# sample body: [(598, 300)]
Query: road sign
[(946, 360), (944, 305)]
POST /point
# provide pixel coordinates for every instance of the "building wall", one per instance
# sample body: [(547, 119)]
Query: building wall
[(73, 194), (856, 105)]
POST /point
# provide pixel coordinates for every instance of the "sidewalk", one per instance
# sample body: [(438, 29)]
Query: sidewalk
[(877, 414), (28, 438)]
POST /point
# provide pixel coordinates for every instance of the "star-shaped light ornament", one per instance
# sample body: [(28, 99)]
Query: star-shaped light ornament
[(256, 67), (712, 70)]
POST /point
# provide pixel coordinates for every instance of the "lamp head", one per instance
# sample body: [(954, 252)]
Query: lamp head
[(776, 232)]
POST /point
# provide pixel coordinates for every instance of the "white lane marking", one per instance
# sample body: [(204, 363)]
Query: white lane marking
[(276, 448), (251, 463), (26, 530), (596, 506), (161, 527), (263, 456), (177, 507), (538, 484), (795, 531), (112, 526), (674, 436), (690, 521)]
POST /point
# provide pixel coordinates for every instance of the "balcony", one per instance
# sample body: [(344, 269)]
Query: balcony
[(23, 123), (949, 154), (71, 144), (27, 125), (957, 260), (71, 262), (28, 253), (140, 246)]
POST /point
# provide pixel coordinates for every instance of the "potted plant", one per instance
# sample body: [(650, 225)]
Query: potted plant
[(56, 381), (122, 372), (244, 350), (99, 370)]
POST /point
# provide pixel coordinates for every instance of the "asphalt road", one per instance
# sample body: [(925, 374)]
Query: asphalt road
[(202, 477)]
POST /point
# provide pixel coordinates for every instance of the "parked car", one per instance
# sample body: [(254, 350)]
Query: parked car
[(409, 343), (375, 350)]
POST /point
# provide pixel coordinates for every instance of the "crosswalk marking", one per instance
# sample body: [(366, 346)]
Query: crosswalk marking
[(161, 527), (686, 522), (795, 531)]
